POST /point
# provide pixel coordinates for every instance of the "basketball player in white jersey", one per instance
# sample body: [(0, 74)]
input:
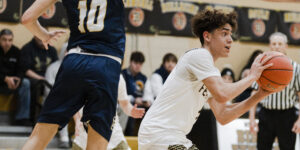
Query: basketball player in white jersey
[(195, 81)]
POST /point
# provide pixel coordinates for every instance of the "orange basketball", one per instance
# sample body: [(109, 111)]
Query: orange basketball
[(278, 76)]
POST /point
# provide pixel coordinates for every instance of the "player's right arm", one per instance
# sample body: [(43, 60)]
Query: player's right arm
[(225, 113), (30, 21), (223, 92)]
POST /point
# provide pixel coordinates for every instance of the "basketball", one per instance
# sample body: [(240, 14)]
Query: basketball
[(278, 76)]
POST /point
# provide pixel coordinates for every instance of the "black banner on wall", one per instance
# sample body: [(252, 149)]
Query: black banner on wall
[(289, 24), (175, 18), (140, 16), (10, 10), (256, 24), (54, 16)]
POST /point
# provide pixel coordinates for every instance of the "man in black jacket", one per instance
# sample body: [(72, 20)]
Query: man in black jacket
[(36, 60), (11, 73)]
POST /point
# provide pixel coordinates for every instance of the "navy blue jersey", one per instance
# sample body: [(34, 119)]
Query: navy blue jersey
[(97, 25)]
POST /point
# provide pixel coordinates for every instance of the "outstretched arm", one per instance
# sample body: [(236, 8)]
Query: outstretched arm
[(30, 21), (225, 113)]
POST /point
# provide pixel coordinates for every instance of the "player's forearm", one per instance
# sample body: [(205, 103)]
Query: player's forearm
[(235, 89), (126, 106), (230, 112), (37, 30), (30, 17), (223, 92)]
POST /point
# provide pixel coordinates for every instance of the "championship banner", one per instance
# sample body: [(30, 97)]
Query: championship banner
[(10, 10), (175, 17), (256, 24), (140, 16), (54, 16), (289, 24), (224, 8)]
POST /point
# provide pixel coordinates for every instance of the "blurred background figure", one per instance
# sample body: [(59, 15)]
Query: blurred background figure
[(135, 84), (277, 116), (36, 61), (228, 75), (155, 83), (11, 77)]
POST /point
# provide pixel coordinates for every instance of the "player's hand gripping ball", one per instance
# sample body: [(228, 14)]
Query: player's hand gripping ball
[(278, 76)]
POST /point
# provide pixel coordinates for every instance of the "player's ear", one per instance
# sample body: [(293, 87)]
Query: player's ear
[(206, 36)]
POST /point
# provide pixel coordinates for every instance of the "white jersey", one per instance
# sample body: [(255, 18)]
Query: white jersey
[(117, 135), (176, 108)]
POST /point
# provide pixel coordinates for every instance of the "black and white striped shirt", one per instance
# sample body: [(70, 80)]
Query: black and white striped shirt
[(286, 98)]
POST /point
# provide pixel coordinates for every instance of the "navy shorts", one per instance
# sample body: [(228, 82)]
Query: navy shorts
[(84, 80)]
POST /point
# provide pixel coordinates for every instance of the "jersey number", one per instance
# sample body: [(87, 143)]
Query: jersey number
[(94, 17)]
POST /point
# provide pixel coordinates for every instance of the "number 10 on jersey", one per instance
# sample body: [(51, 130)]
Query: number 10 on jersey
[(94, 17)]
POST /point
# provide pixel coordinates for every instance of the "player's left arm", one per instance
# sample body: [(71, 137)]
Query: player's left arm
[(296, 127), (30, 21), (225, 113)]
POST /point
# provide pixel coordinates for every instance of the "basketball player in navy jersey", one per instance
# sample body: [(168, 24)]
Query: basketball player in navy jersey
[(89, 74)]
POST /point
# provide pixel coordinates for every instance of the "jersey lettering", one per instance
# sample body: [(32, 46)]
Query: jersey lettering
[(94, 17), (204, 91)]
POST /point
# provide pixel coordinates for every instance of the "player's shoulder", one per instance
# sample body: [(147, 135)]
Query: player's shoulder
[(197, 54), (197, 51)]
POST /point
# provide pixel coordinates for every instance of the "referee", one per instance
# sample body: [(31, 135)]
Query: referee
[(278, 118)]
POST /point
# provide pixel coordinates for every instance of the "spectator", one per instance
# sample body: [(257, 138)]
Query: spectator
[(11, 77), (204, 132), (228, 75), (64, 141), (158, 78), (135, 82), (277, 117), (36, 60)]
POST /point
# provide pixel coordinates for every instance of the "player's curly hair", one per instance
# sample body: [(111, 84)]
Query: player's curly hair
[(209, 20)]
